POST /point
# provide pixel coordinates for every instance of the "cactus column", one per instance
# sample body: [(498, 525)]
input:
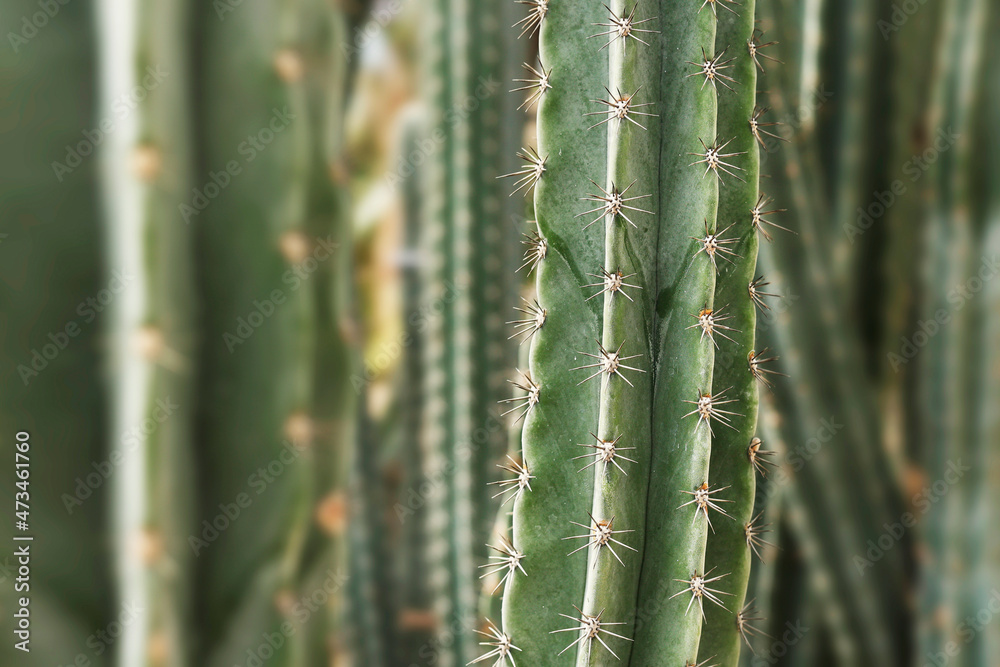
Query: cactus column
[(147, 176), (617, 441), (733, 463)]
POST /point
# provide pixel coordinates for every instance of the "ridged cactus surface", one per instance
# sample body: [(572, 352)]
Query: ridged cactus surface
[(613, 499)]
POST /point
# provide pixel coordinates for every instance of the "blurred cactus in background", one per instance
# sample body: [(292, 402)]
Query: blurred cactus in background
[(424, 333)]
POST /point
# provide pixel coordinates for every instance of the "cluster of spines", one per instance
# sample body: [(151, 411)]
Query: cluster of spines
[(612, 205)]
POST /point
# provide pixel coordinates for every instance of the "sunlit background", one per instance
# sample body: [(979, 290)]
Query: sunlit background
[(256, 267)]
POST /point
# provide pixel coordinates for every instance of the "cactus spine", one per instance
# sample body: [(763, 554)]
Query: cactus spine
[(628, 137), (733, 463)]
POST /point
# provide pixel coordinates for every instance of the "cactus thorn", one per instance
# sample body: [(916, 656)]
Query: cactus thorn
[(590, 628), (501, 646), (533, 322), (710, 322), (703, 500), (619, 108), (539, 84), (612, 283), (622, 27), (510, 560), (530, 174), (515, 487), (757, 361), (707, 408), (754, 48), (606, 451), (720, 3), (715, 160), (614, 203), (759, 457), (530, 24), (609, 363), (756, 125), (697, 586), (601, 534), (744, 618), (703, 663), (757, 295), (754, 531), (714, 245), (758, 216), (536, 250), (532, 395), (711, 69)]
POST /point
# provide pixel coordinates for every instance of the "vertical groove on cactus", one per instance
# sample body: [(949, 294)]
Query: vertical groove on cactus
[(673, 568), (731, 467)]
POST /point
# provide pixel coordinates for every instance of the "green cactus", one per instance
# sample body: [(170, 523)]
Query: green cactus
[(277, 234), (153, 339), (51, 262), (467, 281), (622, 363), (735, 460)]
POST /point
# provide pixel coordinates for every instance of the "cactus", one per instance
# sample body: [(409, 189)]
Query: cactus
[(618, 365), (52, 259), (277, 234), (946, 366), (153, 336), (467, 279), (733, 463)]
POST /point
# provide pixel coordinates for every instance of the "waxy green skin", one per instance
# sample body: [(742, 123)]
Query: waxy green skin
[(567, 412), (666, 632), (675, 281), (730, 465), (611, 588)]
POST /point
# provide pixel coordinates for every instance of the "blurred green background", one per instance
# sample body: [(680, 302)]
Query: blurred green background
[(256, 268)]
